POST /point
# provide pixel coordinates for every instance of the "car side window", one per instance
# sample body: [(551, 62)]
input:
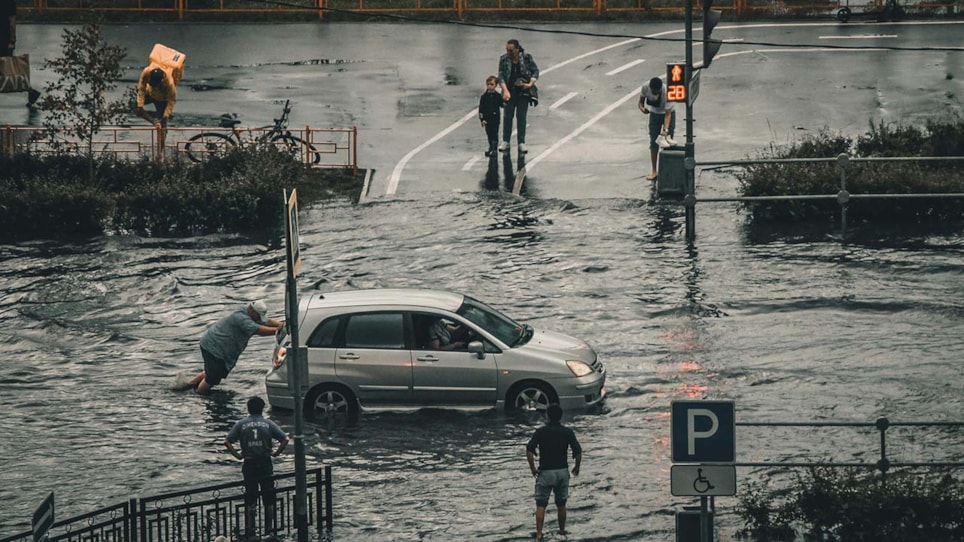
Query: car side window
[(376, 330), (325, 334)]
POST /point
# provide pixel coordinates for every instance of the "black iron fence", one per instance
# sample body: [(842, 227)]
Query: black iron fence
[(197, 515)]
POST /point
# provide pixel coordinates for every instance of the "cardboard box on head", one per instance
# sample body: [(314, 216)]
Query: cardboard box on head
[(169, 60)]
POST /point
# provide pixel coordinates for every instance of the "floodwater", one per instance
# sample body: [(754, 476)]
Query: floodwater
[(792, 327)]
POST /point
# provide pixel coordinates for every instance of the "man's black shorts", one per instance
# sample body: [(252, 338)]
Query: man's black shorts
[(215, 369)]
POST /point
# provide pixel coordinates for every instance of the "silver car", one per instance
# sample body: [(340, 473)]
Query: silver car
[(373, 349)]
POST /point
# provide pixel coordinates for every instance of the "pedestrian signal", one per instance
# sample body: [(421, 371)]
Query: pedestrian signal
[(677, 82)]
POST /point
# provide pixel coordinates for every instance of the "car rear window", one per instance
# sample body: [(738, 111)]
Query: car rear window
[(375, 330)]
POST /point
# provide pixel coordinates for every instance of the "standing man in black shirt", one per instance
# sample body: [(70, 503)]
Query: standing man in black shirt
[(551, 442)]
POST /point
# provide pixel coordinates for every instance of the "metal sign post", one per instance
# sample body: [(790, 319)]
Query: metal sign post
[(43, 519), (295, 362)]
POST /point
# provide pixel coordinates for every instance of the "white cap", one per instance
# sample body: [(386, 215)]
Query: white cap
[(262, 309)]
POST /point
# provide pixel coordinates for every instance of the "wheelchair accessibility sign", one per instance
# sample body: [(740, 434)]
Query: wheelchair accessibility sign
[(703, 480)]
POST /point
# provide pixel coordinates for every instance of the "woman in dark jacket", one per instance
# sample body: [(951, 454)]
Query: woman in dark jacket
[(517, 76)]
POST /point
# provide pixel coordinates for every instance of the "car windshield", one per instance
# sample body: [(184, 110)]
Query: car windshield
[(504, 328)]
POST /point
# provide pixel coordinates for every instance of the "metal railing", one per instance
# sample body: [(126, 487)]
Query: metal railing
[(198, 514), (456, 8), (329, 147), (843, 196), (884, 462)]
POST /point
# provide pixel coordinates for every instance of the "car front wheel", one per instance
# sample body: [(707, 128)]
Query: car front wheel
[(531, 397)]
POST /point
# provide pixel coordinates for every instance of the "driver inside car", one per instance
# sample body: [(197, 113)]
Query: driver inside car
[(442, 336)]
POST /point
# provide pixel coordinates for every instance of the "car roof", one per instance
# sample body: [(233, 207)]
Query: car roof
[(434, 299)]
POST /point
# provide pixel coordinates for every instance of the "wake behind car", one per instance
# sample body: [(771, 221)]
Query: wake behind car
[(376, 349)]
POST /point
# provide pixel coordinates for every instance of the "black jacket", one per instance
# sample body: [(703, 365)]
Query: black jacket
[(489, 105)]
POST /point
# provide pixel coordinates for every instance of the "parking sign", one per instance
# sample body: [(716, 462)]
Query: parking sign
[(703, 431)]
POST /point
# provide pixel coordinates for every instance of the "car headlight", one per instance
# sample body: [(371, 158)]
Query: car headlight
[(279, 357), (579, 368)]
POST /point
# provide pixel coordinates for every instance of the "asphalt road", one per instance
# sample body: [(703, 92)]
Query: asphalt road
[(412, 91)]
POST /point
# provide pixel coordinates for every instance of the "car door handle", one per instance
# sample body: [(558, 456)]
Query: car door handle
[(348, 356), (427, 358)]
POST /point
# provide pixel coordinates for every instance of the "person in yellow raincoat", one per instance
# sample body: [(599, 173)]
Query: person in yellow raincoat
[(157, 86)]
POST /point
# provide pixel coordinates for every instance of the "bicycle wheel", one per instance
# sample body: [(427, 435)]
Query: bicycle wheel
[(207, 144), (296, 148)]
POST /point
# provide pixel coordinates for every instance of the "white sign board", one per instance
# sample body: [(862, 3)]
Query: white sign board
[(703, 480)]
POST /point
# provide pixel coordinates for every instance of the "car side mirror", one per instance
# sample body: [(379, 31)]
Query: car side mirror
[(477, 348)]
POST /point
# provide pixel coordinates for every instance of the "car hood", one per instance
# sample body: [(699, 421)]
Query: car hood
[(560, 344)]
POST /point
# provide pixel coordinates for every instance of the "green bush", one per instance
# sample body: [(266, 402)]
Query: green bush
[(850, 505), (934, 138), (238, 192)]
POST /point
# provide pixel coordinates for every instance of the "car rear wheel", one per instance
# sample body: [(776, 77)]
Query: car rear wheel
[(325, 402), (531, 397)]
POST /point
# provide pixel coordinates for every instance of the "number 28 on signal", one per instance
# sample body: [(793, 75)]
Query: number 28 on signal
[(676, 93)]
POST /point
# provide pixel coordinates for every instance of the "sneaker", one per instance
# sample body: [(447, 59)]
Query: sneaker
[(523, 149), (504, 146), (671, 141), (662, 142)]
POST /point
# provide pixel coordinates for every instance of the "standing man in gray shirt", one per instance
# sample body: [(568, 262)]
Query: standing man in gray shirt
[(654, 102), (222, 343)]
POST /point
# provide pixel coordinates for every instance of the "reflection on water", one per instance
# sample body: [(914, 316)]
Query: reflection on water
[(789, 327)]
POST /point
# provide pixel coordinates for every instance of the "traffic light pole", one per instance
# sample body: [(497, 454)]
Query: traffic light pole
[(689, 161)]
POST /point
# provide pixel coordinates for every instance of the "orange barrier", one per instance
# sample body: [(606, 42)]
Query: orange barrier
[(459, 8), (317, 147)]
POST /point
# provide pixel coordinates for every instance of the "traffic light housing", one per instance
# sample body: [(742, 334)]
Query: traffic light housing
[(711, 46)]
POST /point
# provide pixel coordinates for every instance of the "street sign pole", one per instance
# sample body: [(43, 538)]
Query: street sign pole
[(704, 521), (689, 160), (294, 363)]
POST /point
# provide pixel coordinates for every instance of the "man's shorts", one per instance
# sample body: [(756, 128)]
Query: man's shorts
[(552, 480), (656, 126), (215, 369)]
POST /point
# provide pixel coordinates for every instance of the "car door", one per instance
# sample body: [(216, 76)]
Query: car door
[(451, 378), (374, 359)]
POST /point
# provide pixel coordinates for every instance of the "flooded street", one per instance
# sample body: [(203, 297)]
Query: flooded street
[(792, 326), (791, 329)]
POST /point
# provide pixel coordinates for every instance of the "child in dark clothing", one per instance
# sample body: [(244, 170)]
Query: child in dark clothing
[(490, 105)]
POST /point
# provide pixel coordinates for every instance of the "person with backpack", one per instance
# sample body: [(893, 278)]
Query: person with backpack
[(518, 74), (256, 435)]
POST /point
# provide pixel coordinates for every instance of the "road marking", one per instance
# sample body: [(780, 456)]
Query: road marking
[(626, 66), (860, 37), (468, 165), (563, 100)]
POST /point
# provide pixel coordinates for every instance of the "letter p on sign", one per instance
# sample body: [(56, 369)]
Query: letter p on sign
[(703, 432)]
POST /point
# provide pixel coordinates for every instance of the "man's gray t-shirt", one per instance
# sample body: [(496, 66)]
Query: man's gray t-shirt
[(656, 101), (229, 336)]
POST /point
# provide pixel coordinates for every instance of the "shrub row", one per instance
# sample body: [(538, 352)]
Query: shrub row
[(935, 138), (49, 196)]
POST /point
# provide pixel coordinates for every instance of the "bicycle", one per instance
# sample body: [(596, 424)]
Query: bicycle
[(206, 144)]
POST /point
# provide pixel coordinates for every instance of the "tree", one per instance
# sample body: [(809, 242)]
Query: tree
[(76, 103)]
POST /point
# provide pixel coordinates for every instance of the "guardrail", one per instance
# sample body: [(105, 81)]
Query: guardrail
[(883, 464), (325, 147), (198, 514), (843, 196), (461, 8)]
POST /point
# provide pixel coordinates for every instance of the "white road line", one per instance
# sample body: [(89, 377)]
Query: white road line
[(860, 37), (531, 164), (563, 100), (468, 165), (397, 172), (625, 67)]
